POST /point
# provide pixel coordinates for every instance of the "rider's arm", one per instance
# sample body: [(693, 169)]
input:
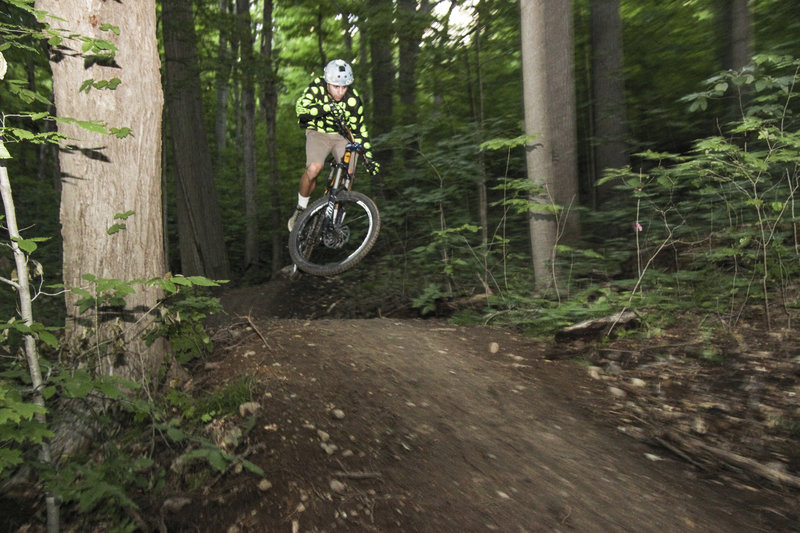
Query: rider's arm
[(312, 104), (354, 112)]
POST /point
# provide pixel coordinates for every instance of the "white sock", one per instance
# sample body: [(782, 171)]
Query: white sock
[(302, 201)]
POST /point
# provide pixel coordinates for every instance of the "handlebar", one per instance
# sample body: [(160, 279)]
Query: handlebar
[(344, 130)]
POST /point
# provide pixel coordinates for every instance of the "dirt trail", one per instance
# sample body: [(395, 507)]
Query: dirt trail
[(412, 425)]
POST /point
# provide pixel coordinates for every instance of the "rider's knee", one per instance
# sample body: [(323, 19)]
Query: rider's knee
[(313, 170)]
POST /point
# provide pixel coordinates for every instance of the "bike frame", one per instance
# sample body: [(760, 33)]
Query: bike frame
[(326, 227), (342, 176), (343, 172)]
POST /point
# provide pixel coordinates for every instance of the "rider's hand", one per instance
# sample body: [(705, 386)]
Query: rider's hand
[(373, 167), (333, 110)]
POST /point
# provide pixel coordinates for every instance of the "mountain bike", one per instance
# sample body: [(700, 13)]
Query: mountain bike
[(337, 231)]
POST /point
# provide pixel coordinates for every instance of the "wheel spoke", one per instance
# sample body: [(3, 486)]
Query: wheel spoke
[(324, 247)]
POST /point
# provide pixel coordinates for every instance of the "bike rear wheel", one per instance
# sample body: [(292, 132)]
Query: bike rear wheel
[(323, 247)]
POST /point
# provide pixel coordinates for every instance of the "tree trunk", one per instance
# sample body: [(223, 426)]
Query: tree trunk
[(413, 22), (734, 19), (247, 70), (734, 30), (562, 121), (25, 309), (221, 81), (549, 100), (383, 89), (608, 93), (270, 104), (106, 175), (200, 235), (321, 35), (481, 20)]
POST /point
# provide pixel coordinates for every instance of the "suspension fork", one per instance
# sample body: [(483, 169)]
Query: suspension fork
[(341, 178)]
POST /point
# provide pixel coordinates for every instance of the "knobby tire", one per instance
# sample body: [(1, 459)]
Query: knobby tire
[(319, 250)]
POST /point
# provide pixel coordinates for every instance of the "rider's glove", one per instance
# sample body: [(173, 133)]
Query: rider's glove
[(373, 167), (333, 110)]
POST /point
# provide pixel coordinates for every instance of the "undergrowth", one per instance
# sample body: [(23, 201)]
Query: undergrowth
[(712, 232)]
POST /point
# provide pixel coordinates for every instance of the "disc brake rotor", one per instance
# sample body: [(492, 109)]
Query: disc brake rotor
[(336, 237)]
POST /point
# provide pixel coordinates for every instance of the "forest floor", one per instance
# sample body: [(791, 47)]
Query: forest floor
[(403, 424)]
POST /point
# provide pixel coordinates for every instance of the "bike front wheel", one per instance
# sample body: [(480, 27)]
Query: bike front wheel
[(326, 246)]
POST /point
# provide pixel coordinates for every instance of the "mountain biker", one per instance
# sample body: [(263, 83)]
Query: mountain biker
[(325, 101)]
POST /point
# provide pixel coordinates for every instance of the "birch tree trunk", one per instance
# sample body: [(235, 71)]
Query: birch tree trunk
[(104, 175)]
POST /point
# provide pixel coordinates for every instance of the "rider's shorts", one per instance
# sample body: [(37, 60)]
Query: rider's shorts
[(319, 145)]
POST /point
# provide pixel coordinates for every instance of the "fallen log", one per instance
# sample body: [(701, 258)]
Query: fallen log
[(595, 327)]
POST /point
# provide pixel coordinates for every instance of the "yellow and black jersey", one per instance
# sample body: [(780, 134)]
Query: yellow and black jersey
[(314, 111)]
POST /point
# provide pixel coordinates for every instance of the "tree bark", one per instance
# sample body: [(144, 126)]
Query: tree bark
[(608, 92), (25, 309), (734, 19), (562, 121), (270, 104), (103, 175), (383, 87), (413, 21), (549, 101), (734, 30), (221, 80), (199, 220), (248, 102), (481, 27)]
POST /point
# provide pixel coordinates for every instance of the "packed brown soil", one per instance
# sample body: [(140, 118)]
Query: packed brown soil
[(400, 424)]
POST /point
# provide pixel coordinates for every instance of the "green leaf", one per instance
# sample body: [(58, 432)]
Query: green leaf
[(92, 125), (82, 292), (124, 216), (202, 281), (503, 143), (4, 151), (79, 385), (252, 467), (26, 245), (101, 44), (110, 27), (9, 457), (175, 434), (19, 411), (86, 86), (121, 133), (115, 228), (49, 339), (217, 460), (21, 134)]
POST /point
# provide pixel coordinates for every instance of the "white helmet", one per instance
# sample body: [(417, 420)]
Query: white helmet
[(338, 72)]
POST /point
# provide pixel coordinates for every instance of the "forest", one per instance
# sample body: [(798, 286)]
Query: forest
[(542, 164)]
